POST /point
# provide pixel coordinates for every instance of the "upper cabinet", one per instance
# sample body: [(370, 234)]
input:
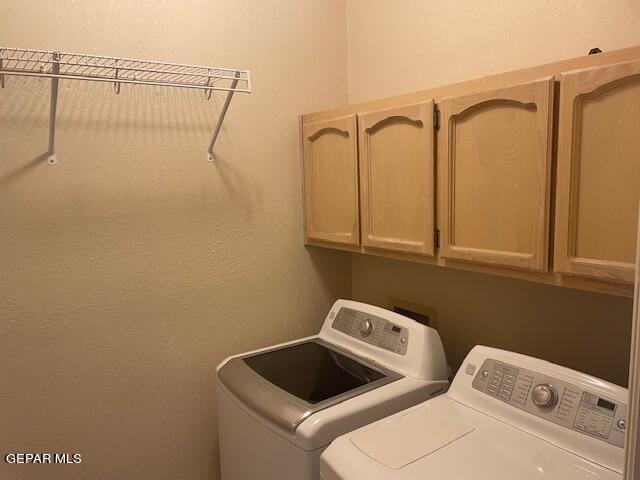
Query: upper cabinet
[(598, 182), (532, 174), (397, 178), (330, 163), (494, 176)]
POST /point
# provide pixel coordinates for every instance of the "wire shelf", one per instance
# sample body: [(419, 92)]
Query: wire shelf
[(43, 63), (77, 66)]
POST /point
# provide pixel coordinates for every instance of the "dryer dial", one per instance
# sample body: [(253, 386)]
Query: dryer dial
[(544, 396)]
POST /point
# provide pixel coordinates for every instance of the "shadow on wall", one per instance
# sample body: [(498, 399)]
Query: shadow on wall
[(333, 270), (15, 173), (143, 145), (586, 331)]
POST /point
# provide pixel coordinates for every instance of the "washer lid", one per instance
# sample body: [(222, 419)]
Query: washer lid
[(493, 450), (286, 385), (411, 436)]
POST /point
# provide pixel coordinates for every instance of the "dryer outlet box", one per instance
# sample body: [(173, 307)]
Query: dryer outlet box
[(422, 314)]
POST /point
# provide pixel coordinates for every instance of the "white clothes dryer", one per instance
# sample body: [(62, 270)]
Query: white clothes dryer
[(506, 417)]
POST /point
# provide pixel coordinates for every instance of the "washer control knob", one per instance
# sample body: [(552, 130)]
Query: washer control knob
[(544, 396), (366, 327), (622, 424)]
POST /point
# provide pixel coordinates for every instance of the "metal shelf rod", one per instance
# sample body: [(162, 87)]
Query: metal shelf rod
[(125, 80), (145, 71), (31, 56)]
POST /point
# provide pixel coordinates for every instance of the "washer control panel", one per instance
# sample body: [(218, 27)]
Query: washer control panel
[(554, 400), (372, 330)]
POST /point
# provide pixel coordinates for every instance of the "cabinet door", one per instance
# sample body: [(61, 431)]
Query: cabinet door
[(494, 176), (397, 178), (330, 161), (598, 172)]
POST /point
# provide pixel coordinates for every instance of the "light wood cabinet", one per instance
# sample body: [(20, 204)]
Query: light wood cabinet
[(598, 179), (507, 185), (397, 178), (330, 163), (494, 176)]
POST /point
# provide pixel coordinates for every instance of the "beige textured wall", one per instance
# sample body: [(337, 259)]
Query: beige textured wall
[(400, 47), (408, 45), (586, 331), (132, 268)]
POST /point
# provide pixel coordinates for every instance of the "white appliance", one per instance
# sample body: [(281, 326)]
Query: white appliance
[(279, 407), (506, 417), (632, 457)]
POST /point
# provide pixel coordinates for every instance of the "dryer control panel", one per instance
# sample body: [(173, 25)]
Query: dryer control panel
[(373, 330), (554, 400)]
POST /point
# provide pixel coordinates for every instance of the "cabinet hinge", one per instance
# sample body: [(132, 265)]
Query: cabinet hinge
[(436, 238), (436, 118)]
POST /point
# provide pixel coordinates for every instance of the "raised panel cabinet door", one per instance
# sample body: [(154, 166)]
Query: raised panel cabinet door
[(495, 174), (598, 182), (330, 162), (397, 178)]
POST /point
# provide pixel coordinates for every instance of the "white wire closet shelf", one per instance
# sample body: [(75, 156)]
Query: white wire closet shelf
[(76, 66)]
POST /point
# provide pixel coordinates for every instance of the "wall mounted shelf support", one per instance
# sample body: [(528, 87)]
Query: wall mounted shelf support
[(223, 113), (75, 66), (52, 158)]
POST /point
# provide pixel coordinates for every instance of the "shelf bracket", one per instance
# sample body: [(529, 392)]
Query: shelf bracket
[(223, 112), (208, 91), (116, 84), (52, 158)]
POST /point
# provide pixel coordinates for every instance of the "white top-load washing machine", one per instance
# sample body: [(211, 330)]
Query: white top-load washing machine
[(279, 407), (506, 417)]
